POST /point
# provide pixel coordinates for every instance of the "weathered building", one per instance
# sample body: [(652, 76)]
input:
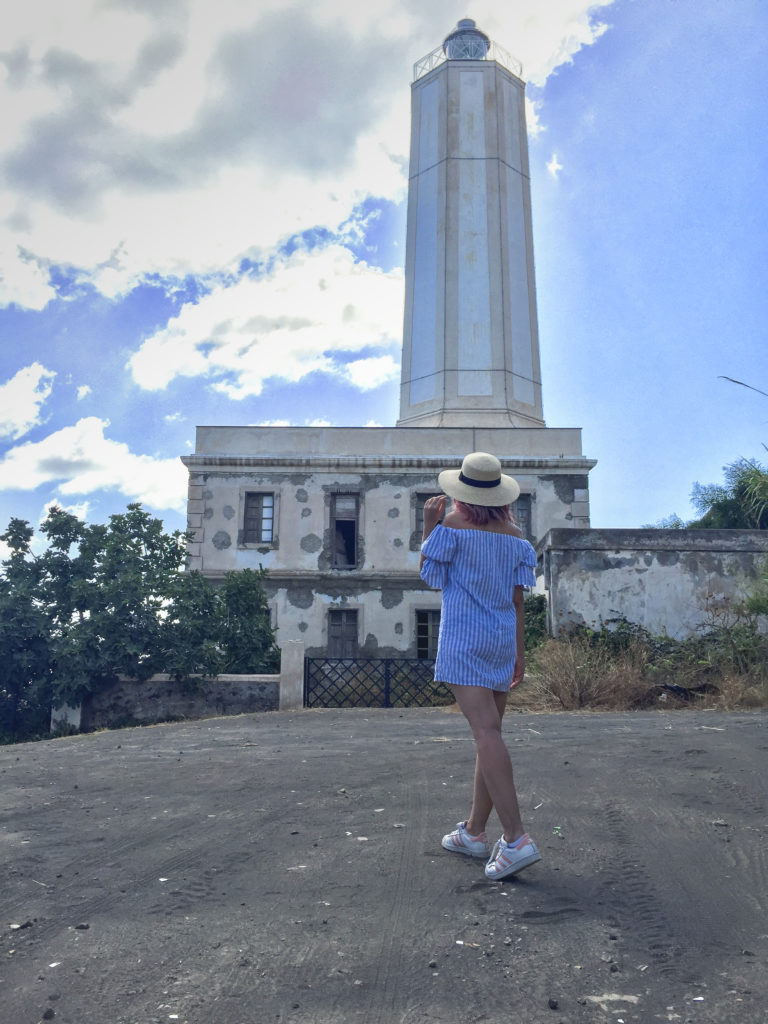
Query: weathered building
[(334, 513), (340, 532)]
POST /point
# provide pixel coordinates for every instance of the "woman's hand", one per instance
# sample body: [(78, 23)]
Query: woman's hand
[(517, 675), (434, 510)]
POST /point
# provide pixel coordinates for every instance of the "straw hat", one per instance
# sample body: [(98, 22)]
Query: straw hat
[(480, 481)]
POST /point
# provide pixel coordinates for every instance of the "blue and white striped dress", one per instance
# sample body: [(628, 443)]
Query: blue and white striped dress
[(477, 570)]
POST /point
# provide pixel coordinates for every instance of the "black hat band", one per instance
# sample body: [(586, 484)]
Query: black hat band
[(478, 483)]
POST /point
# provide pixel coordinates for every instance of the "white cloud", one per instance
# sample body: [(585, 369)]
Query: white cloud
[(371, 373), (81, 461), (83, 391), (173, 138), (310, 314), (532, 122), (24, 279), (554, 166), (543, 34), (21, 398), (81, 509)]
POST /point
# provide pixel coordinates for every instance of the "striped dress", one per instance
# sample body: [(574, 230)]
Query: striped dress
[(477, 570)]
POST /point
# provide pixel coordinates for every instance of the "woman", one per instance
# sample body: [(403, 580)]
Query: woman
[(478, 558)]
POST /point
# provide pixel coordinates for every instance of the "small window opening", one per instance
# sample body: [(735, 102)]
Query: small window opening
[(344, 527), (259, 518), (427, 631)]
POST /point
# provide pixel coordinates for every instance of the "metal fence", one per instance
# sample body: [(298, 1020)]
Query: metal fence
[(372, 683)]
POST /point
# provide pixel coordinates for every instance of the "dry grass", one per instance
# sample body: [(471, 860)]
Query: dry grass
[(747, 690), (568, 675), (571, 674)]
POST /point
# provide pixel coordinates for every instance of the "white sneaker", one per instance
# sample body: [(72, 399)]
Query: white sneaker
[(509, 858), (460, 841)]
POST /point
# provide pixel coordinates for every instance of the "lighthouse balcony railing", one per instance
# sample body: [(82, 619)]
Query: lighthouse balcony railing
[(437, 57)]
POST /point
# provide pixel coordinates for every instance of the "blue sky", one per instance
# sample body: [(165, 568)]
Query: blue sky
[(203, 221)]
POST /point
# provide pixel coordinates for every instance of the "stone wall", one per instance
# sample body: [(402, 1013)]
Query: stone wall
[(161, 699), (673, 581)]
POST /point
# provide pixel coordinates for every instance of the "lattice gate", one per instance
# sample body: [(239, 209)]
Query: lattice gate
[(372, 683)]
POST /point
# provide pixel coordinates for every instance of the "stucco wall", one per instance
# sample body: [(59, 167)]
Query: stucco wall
[(673, 581)]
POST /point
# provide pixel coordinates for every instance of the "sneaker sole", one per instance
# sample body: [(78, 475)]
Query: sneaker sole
[(466, 853), (513, 869)]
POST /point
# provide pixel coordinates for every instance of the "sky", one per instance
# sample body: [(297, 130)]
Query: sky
[(203, 222)]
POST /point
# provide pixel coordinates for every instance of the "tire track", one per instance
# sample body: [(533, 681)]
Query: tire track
[(634, 906), (393, 982), (138, 880)]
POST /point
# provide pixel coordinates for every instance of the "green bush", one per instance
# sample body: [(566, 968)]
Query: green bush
[(535, 621), (105, 601)]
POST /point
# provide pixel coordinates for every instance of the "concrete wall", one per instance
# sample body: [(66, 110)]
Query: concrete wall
[(387, 443), (673, 581)]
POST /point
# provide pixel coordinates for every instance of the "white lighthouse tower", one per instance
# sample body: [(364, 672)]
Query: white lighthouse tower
[(470, 339)]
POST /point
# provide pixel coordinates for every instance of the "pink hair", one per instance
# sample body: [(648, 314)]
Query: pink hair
[(481, 515)]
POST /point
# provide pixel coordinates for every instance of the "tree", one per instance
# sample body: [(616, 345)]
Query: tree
[(209, 630), (247, 635), (24, 639), (741, 503), (105, 601), (106, 589)]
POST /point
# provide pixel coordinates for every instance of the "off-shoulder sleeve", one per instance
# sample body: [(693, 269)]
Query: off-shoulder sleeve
[(438, 550), (524, 573)]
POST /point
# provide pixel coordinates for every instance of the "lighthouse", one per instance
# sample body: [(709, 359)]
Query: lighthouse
[(470, 338)]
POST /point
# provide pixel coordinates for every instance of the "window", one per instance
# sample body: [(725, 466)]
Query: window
[(259, 519), (521, 509), (342, 633), (427, 629), (344, 525)]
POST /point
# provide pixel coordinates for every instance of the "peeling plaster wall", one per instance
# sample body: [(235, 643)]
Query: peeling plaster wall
[(386, 615), (673, 581), (302, 520)]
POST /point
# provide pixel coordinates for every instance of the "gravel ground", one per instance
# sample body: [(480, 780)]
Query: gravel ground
[(287, 867)]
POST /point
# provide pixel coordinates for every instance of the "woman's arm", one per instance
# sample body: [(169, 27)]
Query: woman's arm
[(434, 508), (518, 599)]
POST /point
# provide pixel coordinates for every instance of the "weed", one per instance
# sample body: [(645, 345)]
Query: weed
[(623, 667)]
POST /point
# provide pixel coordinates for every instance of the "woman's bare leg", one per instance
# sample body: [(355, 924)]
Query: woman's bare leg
[(494, 780), (482, 805)]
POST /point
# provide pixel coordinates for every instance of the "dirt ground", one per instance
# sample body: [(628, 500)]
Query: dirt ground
[(287, 867)]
